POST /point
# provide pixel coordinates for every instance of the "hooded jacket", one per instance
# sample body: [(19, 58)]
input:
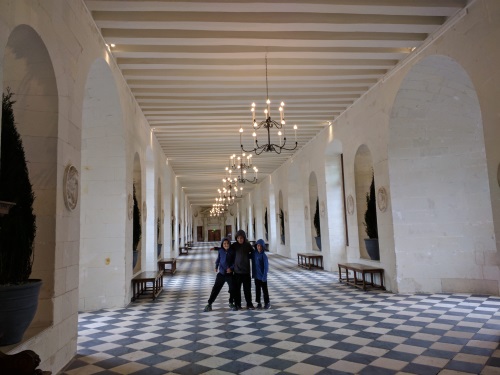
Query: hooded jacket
[(243, 254), (260, 264), (225, 259)]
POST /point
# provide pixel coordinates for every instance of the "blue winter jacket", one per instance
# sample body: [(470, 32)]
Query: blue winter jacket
[(225, 259), (260, 265)]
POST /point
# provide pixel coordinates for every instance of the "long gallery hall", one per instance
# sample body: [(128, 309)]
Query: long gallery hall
[(316, 325)]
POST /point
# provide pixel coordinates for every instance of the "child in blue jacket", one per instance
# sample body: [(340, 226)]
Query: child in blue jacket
[(224, 266), (260, 267)]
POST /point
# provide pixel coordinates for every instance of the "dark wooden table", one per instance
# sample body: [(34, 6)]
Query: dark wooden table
[(172, 262), (147, 282), (360, 273), (310, 260)]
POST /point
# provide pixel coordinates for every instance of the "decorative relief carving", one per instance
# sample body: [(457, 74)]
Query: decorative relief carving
[(382, 199), (350, 204), (70, 187)]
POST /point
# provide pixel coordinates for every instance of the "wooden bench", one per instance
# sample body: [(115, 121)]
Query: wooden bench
[(145, 282), (360, 273), (172, 262), (183, 250), (310, 260)]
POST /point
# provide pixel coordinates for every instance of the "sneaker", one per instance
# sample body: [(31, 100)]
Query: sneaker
[(207, 308), (267, 306), (259, 306), (231, 305), (234, 308), (251, 307)]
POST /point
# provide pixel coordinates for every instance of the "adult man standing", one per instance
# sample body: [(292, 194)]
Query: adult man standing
[(242, 269)]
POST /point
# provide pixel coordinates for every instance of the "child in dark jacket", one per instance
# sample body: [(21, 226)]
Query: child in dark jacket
[(224, 266), (242, 270), (260, 267)]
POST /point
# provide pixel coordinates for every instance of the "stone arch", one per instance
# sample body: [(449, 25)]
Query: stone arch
[(281, 227), (104, 212), (148, 254), (159, 219), (29, 73), (440, 198), (137, 182), (313, 197), (363, 172)]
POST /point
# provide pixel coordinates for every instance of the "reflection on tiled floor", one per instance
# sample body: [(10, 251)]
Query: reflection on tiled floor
[(315, 326)]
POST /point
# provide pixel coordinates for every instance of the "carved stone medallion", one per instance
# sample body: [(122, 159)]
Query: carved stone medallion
[(70, 187), (382, 199), (350, 204)]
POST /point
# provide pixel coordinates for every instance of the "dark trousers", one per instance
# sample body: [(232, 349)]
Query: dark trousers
[(245, 280), (261, 286), (219, 283)]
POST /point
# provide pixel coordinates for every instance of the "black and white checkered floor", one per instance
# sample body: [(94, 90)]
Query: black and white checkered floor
[(315, 326)]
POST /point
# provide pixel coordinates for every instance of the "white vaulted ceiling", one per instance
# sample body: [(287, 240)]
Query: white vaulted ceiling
[(195, 67)]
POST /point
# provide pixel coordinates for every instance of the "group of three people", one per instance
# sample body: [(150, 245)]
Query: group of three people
[(233, 267)]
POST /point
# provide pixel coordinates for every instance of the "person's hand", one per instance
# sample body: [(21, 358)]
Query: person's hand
[(216, 270), (229, 270)]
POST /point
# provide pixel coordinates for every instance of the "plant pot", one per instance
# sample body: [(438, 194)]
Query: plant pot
[(135, 258), (158, 250), (372, 248), (318, 242), (18, 304)]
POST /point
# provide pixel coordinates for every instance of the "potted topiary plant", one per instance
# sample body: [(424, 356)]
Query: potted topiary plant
[(158, 236), (371, 227), (18, 293), (137, 232), (282, 226), (317, 225)]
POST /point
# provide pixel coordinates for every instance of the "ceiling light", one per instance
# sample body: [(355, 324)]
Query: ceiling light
[(267, 124)]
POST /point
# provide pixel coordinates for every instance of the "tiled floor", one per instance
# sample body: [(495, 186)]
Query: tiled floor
[(315, 326)]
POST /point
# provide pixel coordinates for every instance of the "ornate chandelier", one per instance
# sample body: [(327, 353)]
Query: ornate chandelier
[(238, 164), (267, 124)]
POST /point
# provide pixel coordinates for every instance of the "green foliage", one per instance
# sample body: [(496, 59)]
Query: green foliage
[(137, 232), (265, 223), (158, 230), (18, 228), (282, 222), (317, 225), (370, 223)]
